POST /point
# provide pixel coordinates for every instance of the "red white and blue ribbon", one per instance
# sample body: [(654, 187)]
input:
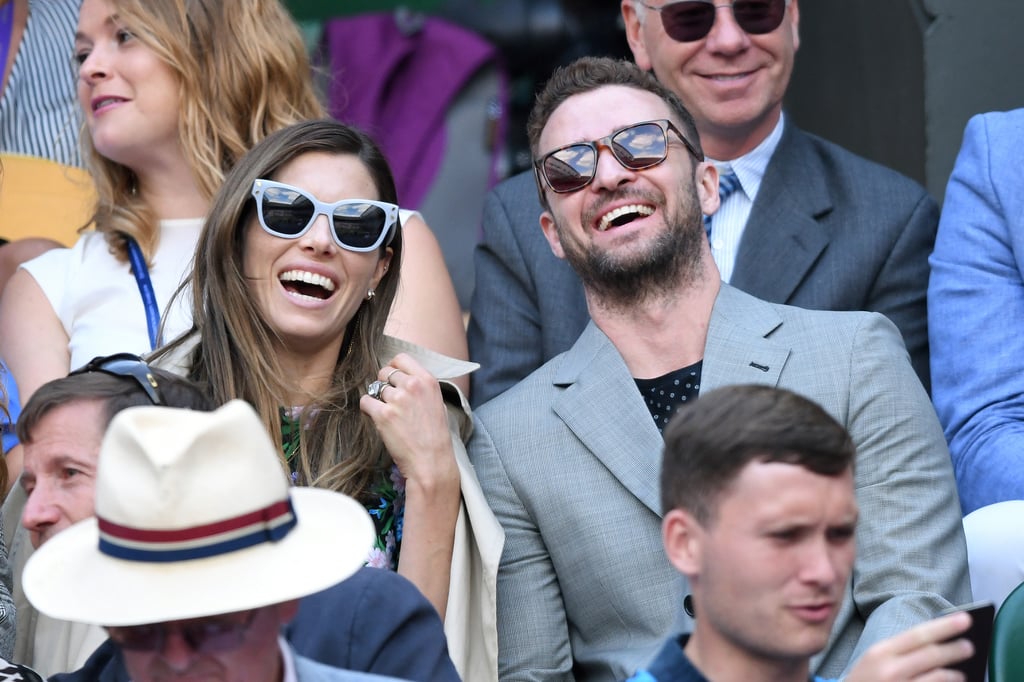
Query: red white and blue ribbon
[(269, 524)]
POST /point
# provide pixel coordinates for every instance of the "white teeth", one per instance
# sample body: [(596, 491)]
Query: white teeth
[(608, 218), (104, 102), (308, 278)]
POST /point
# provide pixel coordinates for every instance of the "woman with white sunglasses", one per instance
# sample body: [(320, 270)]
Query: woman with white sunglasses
[(295, 275)]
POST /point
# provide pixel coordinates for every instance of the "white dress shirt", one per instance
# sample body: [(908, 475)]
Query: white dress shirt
[(730, 219), (287, 661)]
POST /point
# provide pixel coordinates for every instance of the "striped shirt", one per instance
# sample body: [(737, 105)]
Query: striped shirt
[(39, 114), (730, 219)]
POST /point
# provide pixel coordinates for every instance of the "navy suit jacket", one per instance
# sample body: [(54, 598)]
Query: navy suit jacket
[(829, 230), (375, 621)]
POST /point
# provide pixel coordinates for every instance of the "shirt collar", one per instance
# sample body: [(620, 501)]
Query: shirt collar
[(750, 167), (287, 661)]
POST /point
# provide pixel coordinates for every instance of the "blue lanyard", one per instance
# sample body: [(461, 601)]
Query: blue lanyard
[(138, 262), (6, 32)]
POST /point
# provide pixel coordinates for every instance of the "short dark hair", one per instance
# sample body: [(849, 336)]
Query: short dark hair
[(117, 393), (590, 73), (711, 440)]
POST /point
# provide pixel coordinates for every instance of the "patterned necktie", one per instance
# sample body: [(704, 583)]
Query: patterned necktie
[(727, 184)]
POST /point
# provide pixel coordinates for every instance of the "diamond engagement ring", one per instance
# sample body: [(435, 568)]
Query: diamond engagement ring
[(375, 388)]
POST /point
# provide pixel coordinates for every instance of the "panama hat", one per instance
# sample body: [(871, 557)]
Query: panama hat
[(194, 517)]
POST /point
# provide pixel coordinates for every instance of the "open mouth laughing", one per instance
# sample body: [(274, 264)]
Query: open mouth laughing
[(623, 215), (308, 285)]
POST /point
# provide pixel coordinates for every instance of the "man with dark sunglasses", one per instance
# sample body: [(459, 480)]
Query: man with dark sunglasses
[(569, 457), (62, 427), (806, 223)]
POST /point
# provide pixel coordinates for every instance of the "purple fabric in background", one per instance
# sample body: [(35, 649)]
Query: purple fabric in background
[(395, 77)]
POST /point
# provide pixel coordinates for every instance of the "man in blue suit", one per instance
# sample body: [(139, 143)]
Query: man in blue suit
[(976, 323), (569, 457), (807, 223)]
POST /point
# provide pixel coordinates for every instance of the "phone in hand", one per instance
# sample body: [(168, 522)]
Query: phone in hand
[(980, 633)]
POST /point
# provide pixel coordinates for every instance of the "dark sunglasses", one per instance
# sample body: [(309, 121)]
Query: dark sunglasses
[(690, 20), (637, 146), (359, 224), (127, 366), (204, 636)]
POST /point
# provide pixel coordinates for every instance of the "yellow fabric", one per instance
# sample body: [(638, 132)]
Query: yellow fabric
[(42, 198)]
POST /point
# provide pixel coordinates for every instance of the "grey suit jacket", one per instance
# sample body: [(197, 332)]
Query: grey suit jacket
[(829, 230), (569, 460)]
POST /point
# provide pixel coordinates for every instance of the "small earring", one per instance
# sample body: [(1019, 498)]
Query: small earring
[(370, 294)]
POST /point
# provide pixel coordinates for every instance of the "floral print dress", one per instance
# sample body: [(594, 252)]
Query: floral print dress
[(387, 508)]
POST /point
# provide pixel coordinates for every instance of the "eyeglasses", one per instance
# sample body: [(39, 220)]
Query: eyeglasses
[(638, 146), (127, 366), (204, 636), (359, 224), (691, 20)]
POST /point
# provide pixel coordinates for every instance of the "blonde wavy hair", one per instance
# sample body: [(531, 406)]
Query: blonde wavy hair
[(242, 71), (236, 357)]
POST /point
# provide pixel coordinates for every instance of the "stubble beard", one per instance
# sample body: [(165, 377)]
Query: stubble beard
[(659, 268)]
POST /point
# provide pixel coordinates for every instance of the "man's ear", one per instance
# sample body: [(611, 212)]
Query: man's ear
[(683, 538), (547, 224), (706, 177), (634, 34)]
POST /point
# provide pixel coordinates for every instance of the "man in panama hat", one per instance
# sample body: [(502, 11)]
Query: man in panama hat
[(199, 550)]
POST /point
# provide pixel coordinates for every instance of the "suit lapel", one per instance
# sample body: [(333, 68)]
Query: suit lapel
[(602, 406), (783, 237), (738, 349)]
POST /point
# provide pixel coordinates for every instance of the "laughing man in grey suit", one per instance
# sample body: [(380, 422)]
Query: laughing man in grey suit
[(810, 224), (569, 457)]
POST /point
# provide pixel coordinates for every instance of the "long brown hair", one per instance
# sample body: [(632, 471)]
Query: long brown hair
[(242, 73), (339, 446)]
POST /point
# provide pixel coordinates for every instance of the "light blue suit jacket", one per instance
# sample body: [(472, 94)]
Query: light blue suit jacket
[(570, 457), (976, 312)]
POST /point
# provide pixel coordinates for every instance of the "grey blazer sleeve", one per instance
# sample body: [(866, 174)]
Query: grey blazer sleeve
[(911, 554), (533, 632)]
